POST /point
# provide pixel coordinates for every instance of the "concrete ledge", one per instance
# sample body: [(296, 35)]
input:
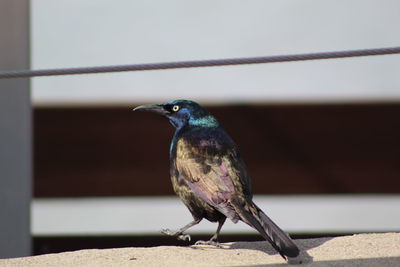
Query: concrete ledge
[(357, 250)]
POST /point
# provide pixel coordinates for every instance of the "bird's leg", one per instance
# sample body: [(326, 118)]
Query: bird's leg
[(179, 233), (214, 239)]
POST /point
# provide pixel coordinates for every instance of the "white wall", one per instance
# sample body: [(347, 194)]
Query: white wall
[(148, 215), (72, 33)]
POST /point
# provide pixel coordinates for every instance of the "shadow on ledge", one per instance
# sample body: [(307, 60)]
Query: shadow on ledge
[(371, 262), (265, 247)]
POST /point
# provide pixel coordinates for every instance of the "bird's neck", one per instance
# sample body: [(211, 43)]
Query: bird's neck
[(181, 125), (193, 132), (190, 127), (206, 121)]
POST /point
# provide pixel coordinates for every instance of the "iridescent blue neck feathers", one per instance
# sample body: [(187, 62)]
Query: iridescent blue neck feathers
[(207, 121)]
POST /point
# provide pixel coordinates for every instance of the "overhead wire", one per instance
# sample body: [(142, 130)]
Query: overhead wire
[(199, 63)]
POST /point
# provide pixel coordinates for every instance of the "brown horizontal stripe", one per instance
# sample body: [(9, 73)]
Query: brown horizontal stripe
[(288, 149)]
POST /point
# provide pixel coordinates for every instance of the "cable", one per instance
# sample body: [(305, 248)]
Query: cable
[(200, 63)]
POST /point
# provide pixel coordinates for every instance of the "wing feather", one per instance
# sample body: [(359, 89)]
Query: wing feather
[(208, 171)]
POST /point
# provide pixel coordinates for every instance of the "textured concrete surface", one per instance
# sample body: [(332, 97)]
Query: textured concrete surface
[(357, 250)]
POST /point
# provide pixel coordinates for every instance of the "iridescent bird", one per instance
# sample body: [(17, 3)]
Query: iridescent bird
[(209, 175)]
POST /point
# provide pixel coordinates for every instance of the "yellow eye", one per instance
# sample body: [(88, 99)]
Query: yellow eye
[(175, 108)]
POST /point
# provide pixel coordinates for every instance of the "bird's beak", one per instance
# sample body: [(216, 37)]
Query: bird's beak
[(157, 108)]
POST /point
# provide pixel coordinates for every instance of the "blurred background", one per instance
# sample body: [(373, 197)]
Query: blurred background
[(320, 138)]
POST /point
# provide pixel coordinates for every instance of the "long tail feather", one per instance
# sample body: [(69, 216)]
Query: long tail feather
[(257, 219), (278, 236)]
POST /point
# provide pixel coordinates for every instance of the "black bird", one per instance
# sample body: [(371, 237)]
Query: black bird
[(209, 175)]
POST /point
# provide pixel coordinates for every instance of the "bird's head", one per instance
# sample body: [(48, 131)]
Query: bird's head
[(182, 113)]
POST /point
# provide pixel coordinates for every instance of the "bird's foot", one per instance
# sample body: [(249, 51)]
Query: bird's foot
[(184, 237), (179, 235), (208, 243), (168, 232)]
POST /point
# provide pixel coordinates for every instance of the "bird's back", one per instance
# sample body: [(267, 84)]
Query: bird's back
[(206, 168)]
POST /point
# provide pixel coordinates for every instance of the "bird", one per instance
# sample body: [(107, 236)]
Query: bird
[(209, 175)]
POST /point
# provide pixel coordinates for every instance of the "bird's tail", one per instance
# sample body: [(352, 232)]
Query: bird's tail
[(257, 219)]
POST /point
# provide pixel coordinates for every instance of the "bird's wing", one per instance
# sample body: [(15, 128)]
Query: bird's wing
[(212, 172)]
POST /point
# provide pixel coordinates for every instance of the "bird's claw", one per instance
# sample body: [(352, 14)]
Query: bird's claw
[(184, 237), (167, 232), (178, 235)]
